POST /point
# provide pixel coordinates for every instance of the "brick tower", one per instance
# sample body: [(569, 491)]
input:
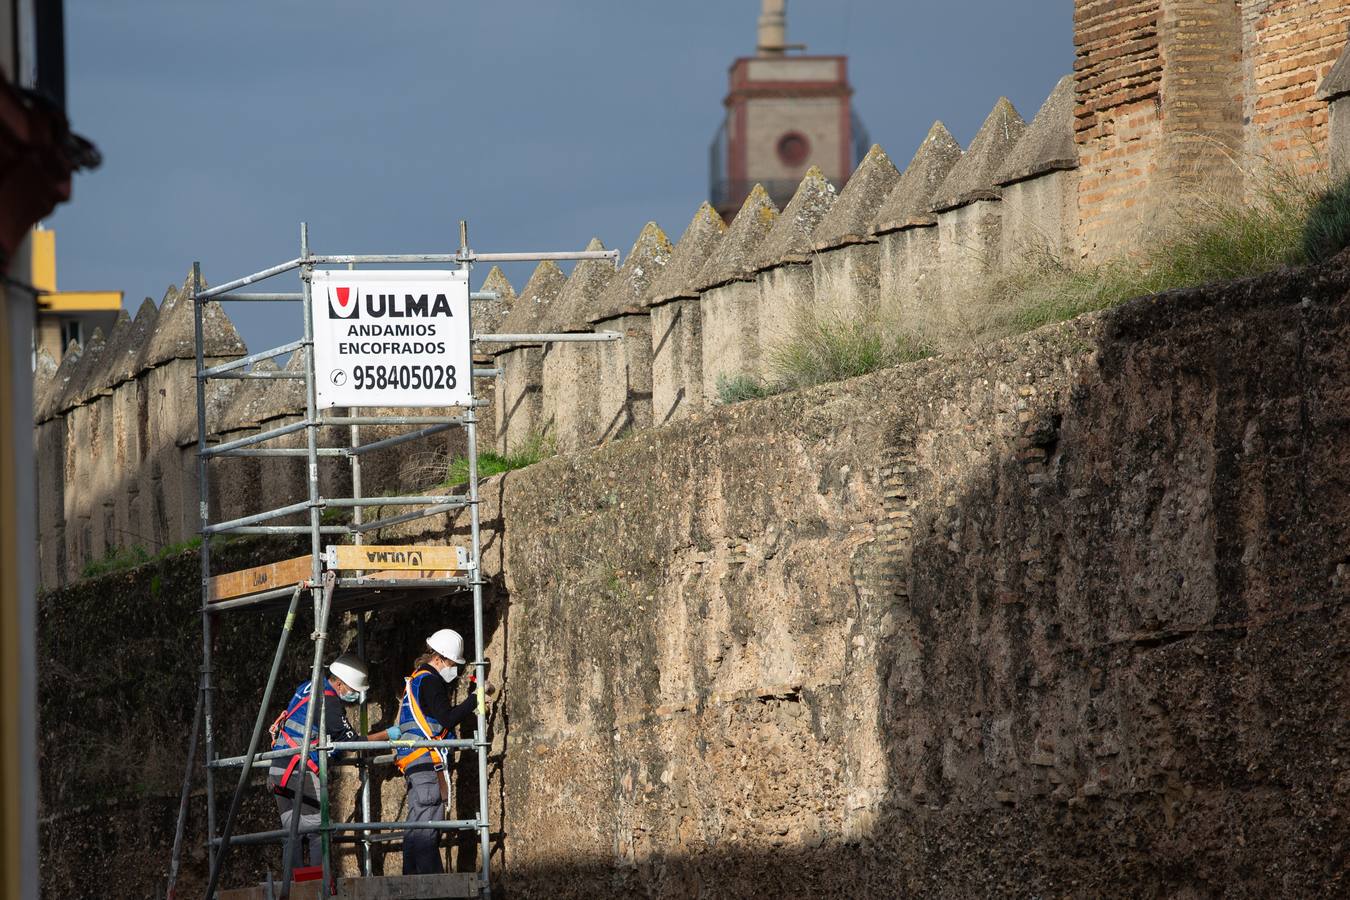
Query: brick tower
[(785, 113)]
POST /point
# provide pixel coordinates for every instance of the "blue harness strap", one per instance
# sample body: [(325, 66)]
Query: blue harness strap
[(284, 730)]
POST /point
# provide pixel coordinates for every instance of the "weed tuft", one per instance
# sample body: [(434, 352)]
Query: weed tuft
[(1209, 240), (536, 448), (826, 344), (119, 559), (738, 388), (1327, 232)]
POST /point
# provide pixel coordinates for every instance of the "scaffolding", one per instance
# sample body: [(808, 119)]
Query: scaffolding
[(337, 580)]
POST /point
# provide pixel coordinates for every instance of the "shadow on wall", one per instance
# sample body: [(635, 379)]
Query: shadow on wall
[(1067, 618), (1081, 632)]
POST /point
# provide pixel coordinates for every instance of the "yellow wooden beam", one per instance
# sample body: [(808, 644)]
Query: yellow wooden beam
[(80, 301), (260, 578), (394, 558)]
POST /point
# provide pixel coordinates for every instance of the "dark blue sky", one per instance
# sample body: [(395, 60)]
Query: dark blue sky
[(223, 125)]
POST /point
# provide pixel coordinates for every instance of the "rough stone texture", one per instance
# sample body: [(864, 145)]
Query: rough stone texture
[(46, 404), (625, 377), (99, 378), (1040, 220), (628, 291), (173, 334), (969, 240), (729, 297), (1047, 145), (124, 365), (974, 177), (571, 380), (734, 258), (248, 409), (625, 397), (700, 239), (131, 413), (742, 318), (1067, 617), (83, 446), (49, 451), (850, 221), (677, 359), (907, 238), (1039, 188), (530, 312), (518, 404), (731, 347), (785, 292), (677, 323), (581, 295), (848, 278), (488, 315), (790, 239), (90, 365), (1338, 136), (910, 202), (571, 407), (518, 396), (1061, 616), (1289, 46), (910, 277)]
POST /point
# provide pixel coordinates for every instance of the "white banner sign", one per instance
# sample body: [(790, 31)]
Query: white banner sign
[(391, 338)]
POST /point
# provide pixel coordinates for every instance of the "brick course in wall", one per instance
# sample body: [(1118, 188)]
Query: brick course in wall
[(1117, 69), (1290, 46), (1201, 43)]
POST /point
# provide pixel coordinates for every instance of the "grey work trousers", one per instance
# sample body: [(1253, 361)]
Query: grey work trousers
[(422, 846), (308, 846)]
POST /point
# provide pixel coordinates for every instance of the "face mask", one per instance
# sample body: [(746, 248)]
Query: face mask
[(349, 697), (449, 673)]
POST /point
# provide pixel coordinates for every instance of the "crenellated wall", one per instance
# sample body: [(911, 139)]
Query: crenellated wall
[(1166, 97), (115, 430), (1067, 618)]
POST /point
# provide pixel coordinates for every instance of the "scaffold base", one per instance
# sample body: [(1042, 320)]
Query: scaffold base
[(388, 887)]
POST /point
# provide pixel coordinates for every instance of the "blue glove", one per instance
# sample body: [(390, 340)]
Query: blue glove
[(394, 732)]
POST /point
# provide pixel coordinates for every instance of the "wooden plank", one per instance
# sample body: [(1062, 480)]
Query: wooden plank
[(261, 578), (393, 558)]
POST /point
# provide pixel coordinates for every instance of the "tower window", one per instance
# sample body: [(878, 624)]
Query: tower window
[(793, 149)]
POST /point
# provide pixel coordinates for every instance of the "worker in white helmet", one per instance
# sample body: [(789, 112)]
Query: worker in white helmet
[(425, 714), (296, 786)]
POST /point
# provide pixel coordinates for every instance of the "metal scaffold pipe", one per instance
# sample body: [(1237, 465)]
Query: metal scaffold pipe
[(356, 590), (218, 861)]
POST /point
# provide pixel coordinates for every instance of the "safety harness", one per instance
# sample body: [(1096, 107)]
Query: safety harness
[(411, 718), (282, 731)]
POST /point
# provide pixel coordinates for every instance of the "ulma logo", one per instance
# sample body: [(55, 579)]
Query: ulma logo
[(343, 303)]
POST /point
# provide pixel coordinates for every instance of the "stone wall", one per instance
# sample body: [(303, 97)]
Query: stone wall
[(115, 434), (1167, 97), (1067, 617), (1289, 47)]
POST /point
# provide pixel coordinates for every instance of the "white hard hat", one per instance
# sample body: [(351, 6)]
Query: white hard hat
[(449, 644), (352, 670)]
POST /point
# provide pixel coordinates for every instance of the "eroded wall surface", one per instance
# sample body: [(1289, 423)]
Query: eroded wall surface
[(1066, 618), (1069, 617)]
